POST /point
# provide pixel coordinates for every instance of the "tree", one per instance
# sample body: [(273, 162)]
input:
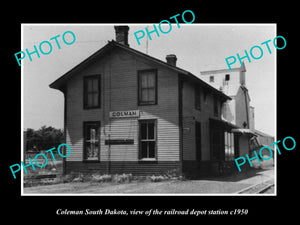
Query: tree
[(43, 138)]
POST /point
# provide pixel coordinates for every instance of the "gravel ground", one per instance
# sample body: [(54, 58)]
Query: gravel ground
[(231, 184), (165, 187), (256, 188)]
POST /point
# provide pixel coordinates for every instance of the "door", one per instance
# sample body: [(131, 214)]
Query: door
[(91, 147)]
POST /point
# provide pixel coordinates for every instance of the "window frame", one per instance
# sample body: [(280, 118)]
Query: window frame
[(85, 91), (85, 124), (139, 89), (154, 121), (229, 146)]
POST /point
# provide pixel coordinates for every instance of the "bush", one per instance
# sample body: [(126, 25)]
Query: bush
[(158, 178), (78, 178), (174, 173), (169, 175), (122, 178), (101, 178), (117, 178)]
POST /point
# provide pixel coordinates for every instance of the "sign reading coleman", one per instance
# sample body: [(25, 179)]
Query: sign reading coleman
[(124, 114)]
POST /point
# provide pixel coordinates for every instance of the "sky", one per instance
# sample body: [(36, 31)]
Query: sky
[(198, 47)]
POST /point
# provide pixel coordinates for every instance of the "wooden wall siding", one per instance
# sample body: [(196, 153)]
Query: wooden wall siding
[(119, 167), (119, 92), (188, 139), (190, 115), (120, 129)]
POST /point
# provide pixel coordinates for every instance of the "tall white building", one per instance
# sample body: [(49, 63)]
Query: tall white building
[(233, 83), (238, 110)]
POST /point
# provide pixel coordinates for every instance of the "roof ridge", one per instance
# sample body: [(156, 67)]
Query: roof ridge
[(58, 83)]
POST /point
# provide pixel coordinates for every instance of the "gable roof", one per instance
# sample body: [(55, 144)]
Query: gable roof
[(60, 82), (260, 133), (242, 68)]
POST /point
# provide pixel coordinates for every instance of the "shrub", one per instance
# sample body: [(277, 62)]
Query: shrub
[(78, 178), (170, 174), (174, 173), (122, 178), (101, 178), (158, 178)]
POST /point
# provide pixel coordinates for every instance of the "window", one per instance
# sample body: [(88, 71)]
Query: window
[(211, 79), (236, 146), (147, 83), (91, 92), (147, 139), (229, 146), (197, 98), (91, 133), (216, 111), (227, 77)]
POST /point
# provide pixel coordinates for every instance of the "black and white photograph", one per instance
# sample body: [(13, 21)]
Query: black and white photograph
[(149, 109), (122, 113)]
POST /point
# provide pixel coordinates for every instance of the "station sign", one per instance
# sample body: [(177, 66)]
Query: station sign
[(124, 114)]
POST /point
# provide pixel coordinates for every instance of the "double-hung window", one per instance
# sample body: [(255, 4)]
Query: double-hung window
[(91, 92), (147, 84), (147, 139), (91, 148)]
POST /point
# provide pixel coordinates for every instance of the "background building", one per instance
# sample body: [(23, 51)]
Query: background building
[(238, 110)]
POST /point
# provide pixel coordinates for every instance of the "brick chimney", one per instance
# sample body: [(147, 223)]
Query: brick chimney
[(122, 34), (171, 59)]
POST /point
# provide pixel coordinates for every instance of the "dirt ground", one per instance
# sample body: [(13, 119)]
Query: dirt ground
[(230, 185)]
